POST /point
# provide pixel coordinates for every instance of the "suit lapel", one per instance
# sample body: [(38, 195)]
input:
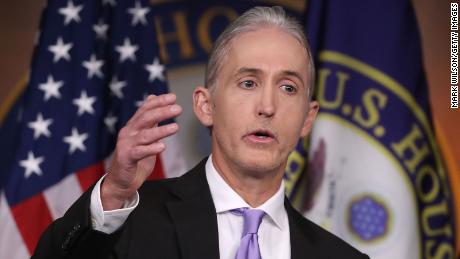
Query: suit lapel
[(194, 215), (302, 236)]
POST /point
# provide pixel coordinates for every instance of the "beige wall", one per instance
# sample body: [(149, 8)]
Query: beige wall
[(18, 25)]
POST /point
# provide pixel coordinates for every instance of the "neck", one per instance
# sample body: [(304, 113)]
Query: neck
[(255, 187)]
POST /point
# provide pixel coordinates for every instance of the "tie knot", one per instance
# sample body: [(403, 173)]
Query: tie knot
[(252, 219), (249, 245)]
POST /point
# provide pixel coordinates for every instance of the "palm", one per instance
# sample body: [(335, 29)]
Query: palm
[(138, 145)]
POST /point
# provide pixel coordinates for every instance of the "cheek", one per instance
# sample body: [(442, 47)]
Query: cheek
[(293, 118), (231, 109), (227, 117)]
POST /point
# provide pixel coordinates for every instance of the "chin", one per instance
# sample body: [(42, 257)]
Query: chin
[(260, 163)]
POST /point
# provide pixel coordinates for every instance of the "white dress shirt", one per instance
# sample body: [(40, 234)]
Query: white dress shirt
[(274, 239), (110, 220)]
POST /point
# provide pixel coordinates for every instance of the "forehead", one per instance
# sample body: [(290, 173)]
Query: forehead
[(269, 49)]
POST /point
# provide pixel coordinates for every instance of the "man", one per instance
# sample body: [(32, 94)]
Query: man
[(256, 104)]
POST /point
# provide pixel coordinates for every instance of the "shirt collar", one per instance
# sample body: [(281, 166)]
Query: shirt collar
[(226, 199)]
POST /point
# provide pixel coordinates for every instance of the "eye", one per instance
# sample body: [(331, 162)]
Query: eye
[(247, 84), (289, 89)]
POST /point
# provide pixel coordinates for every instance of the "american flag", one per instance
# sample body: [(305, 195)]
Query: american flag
[(94, 63)]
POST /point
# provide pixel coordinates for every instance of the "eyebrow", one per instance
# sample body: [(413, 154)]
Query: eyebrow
[(248, 70)]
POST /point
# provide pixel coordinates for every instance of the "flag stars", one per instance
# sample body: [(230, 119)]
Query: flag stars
[(116, 86), (40, 126), (51, 88), (76, 141), (71, 12), (110, 122), (32, 165), (60, 50), (94, 67), (138, 12), (85, 103), (155, 70), (101, 30), (127, 50)]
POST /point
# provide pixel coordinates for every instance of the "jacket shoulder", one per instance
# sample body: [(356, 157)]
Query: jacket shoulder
[(175, 188)]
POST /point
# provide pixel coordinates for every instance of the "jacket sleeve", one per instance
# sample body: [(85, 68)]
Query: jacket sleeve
[(73, 236)]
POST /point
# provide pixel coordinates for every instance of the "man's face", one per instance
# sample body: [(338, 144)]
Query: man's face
[(259, 103)]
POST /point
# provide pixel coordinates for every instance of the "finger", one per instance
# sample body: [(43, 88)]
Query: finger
[(153, 102), (141, 152), (150, 118), (150, 135)]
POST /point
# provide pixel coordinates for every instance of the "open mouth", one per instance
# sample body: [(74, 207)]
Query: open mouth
[(261, 136)]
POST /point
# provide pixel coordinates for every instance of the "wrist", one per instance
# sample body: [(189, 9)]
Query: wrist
[(112, 196)]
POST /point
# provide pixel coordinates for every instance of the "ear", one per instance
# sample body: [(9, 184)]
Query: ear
[(308, 123), (202, 105)]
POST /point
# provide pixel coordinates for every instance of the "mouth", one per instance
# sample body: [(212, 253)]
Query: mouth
[(261, 136)]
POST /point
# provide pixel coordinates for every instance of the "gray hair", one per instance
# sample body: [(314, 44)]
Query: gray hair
[(252, 20)]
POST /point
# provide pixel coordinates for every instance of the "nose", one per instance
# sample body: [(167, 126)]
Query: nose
[(267, 102)]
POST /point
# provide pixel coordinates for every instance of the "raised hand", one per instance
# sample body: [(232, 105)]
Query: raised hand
[(138, 144)]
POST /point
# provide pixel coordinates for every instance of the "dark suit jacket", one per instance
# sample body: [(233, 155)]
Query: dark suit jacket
[(175, 218)]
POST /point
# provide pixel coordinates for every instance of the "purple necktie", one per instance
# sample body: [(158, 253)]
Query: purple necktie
[(249, 245)]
